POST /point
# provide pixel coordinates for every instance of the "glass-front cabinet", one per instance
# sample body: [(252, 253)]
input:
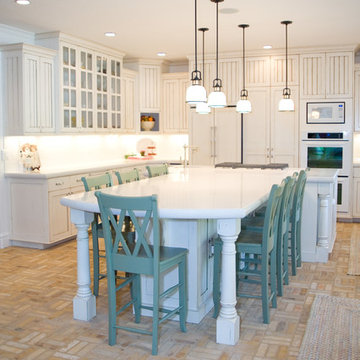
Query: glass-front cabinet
[(91, 90)]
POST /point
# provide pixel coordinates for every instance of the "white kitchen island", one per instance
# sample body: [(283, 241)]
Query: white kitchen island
[(187, 199)]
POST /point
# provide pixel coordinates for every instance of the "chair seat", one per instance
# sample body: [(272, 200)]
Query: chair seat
[(249, 242), (255, 223)]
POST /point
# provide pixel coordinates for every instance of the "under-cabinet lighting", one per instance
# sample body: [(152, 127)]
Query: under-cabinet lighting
[(23, 2), (110, 34), (266, 47), (161, 53)]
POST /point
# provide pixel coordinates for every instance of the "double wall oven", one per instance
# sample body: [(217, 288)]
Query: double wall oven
[(326, 142)]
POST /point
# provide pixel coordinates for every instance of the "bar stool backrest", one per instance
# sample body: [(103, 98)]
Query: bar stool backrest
[(157, 170), (97, 182), (127, 176)]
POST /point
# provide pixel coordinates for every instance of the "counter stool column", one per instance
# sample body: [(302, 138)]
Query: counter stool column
[(228, 321)]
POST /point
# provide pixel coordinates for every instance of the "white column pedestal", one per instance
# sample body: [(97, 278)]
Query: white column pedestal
[(228, 321), (84, 303)]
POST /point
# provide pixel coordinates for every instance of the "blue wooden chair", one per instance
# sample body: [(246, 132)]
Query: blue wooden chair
[(140, 258), (295, 220), (255, 256), (157, 170), (127, 176), (96, 183)]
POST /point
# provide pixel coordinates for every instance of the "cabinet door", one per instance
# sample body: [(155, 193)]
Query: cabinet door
[(256, 127), (229, 73), (278, 70), (227, 135), (149, 88), (202, 138), (312, 76), (115, 93), (102, 92), (284, 130), (339, 74), (357, 101), (356, 197), (59, 216), (129, 102), (257, 71), (171, 105)]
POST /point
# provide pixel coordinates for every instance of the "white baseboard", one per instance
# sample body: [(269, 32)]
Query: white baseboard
[(4, 240)]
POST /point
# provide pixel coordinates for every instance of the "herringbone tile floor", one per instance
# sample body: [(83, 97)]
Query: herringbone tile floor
[(37, 287)]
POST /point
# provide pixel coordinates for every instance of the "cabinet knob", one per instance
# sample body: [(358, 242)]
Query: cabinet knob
[(59, 183)]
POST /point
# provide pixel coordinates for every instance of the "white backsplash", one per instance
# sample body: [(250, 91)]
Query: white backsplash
[(71, 151)]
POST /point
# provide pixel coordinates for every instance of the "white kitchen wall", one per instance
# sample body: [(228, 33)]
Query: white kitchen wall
[(356, 149), (77, 151)]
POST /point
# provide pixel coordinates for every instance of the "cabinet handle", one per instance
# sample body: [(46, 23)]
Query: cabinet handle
[(59, 183)]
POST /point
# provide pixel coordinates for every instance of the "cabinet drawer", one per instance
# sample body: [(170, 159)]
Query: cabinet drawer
[(75, 180), (356, 172), (59, 183)]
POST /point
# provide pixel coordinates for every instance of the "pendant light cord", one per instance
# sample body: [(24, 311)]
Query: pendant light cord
[(286, 56), (244, 58), (217, 40), (195, 35)]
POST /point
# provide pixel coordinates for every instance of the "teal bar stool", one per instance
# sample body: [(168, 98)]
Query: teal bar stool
[(295, 220), (157, 170), (127, 176), (138, 258), (254, 248), (96, 183)]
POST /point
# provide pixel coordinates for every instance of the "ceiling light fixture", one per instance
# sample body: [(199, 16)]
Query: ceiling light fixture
[(203, 108), (217, 98), (23, 2), (110, 34), (243, 105), (286, 104), (195, 93)]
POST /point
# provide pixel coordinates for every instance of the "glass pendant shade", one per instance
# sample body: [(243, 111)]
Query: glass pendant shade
[(217, 99), (243, 106), (195, 94), (203, 108), (286, 105)]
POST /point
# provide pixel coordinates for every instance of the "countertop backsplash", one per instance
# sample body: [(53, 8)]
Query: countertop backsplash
[(69, 151)]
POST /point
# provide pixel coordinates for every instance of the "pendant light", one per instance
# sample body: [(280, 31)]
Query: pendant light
[(243, 105), (217, 98), (195, 93), (203, 108), (286, 104)]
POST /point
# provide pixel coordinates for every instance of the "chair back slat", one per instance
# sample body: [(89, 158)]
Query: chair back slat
[(143, 213), (127, 176), (97, 182), (157, 170), (298, 195)]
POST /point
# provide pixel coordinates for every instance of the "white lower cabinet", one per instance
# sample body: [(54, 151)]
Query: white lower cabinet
[(356, 193)]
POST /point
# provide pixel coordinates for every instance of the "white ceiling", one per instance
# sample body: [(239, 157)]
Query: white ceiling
[(145, 27)]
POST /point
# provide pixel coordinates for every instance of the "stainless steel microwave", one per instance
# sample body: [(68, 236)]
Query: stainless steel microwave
[(325, 113)]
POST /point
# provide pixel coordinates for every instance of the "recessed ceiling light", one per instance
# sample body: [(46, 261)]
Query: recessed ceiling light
[(110, 34), (228, 11), (23, 2), (161, 53), (267, 46)]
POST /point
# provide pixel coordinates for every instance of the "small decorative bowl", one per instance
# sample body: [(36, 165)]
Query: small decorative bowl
[(147, 125)]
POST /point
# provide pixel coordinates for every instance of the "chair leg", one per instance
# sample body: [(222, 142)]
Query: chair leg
[(136, 294), (216, 277), (293, 250), (155, 323), (273, 277), (182, 294), (95, 240), (112, 307), (286, 259), (298, 244), (265, 290), (280, 268)]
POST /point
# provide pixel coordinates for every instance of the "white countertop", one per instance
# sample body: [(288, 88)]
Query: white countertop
[(196, 192), (78, 169), (322, 175)]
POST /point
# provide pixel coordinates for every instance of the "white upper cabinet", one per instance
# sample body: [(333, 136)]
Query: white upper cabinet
[(149, 81), (28, 89), (278, 70), (129, 98), (257, 71), (229, 73), (327, 75)]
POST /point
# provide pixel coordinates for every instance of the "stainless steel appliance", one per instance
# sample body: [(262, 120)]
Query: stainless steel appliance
[(329, 150), (325, 113)]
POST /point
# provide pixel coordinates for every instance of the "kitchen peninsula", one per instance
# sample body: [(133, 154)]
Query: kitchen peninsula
[(192, 210)]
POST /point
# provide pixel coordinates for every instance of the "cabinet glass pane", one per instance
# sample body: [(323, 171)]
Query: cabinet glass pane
[(112, 67), (66, 119), (105, 120), (98, 64), (83, 99), (118, 120), (89, 62), (72, 57), (99, 122), (104, 83), (104, 68), (73, 118), (83, 80), (118, 90), (105, 102), (66, 97), (83, 60), (66, 77), (83, 119), (90, 119), (98, 82), (113, 103), (73, 78), (113, 85), (118, 103), (99, 101), (118, 68), (89, 81), (73, 98), (90, 103), (65, 55), (113, 124)]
